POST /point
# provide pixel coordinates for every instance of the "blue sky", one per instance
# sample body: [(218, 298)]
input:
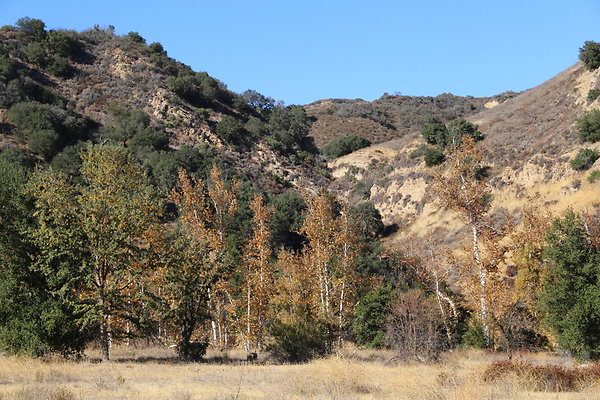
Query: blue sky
[(301, 51)]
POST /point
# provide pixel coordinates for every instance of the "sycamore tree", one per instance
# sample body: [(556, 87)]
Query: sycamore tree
[(464, 189), (101, 227)]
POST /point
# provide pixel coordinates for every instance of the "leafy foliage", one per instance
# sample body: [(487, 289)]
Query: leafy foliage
[(370, 316), (345, 145), (588, 126), (433, 156), (299, 342), (589, 54), (571, 289), (584, 159)]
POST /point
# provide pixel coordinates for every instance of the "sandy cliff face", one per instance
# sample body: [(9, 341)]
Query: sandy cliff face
[(529, 141)]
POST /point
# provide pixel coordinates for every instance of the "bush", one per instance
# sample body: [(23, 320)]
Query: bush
[(459, 128), (593, 94), (345, 145), (588, 126), (474, 337), (45, 142), (589, 54), (35, 54), (59, 66), (584, 159), (298, 342), (369, 319), (63, 44), (230, 129), (433, 156), (594, 176), (435, 132), (34, 28)]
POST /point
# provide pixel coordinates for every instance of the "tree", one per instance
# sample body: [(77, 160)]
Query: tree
[(463, 189), (289, 128), (460, 128), (258, 276), (370, 316), (345, 145), (34, 28), (588, 126), (230, 130), (102, 225), (35, 316), (589, 54), (571, 289), (435, 132)]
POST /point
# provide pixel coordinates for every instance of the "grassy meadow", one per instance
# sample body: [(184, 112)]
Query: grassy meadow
[(352, 374)]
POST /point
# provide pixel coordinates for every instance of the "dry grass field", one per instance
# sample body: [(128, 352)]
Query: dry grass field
[(155, 374)]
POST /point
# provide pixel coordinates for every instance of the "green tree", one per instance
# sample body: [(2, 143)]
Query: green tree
[(101, 228), (230, 129), (571, 290), (35, 317), (459, 128), (34, 28), (435, 132), (589, 54), (370, 316), (289, 128), (367, 220), (345, 145), (433, 156), (588, 126)]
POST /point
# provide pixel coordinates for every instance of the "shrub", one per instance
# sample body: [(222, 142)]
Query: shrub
[(35, 54), (230, 129), (584, 159), (62, 44), (474, 337), (588, 126), (369, 319), (158, 48), (593, 94), (34, 28), (150, 139), (459, 128), (589, 54), (45, 142), (594, 176), (59, 66), (433, 156), (345, 145), (435, 132), (298, 342)]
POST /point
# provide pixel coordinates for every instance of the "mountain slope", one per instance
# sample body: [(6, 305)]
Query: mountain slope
[(529, 140)]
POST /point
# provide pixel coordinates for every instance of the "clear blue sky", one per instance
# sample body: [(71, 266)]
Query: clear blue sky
[(301, 51)]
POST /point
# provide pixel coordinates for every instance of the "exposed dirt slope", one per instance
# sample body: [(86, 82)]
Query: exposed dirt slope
[(528, 143)]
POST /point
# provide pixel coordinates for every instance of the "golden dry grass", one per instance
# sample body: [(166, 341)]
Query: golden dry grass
[(155, 374)]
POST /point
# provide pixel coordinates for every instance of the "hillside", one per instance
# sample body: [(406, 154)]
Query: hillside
[(390, 117), (528, 143), (89, 72)]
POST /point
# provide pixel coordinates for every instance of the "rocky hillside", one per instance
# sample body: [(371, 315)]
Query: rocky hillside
[(87, 73), (528, 143)]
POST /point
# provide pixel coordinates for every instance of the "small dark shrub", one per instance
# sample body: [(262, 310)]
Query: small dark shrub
[(45, 142), (298, 342), (433, 156), (594, 176), (34, 28), (588, 126), (474, 337), (345, 145), (230, 129), (59, 66), (593, 94), (192, 351), (584, 159)]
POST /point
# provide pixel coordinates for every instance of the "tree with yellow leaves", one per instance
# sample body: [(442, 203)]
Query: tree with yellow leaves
[(103, 224), (463, 188), (258, 276)]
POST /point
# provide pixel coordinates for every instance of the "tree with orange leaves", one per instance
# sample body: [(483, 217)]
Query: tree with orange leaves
[(463, 188), (258, 277)]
